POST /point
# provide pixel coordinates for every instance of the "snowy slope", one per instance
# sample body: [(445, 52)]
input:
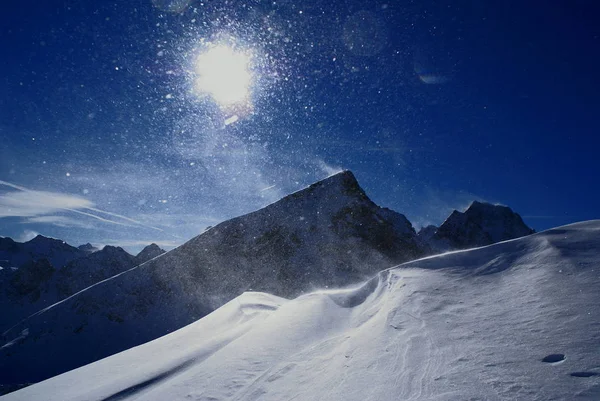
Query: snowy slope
[(474, 325)]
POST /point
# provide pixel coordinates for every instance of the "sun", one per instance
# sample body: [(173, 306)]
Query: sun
[(224, 74)]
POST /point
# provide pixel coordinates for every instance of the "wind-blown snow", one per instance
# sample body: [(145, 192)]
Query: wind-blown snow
[(488, 323)]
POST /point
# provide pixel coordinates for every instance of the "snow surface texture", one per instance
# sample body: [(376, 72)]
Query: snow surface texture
[(515, 320)]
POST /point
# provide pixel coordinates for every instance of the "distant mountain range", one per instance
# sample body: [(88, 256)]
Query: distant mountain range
[(43, 271), (327, 235), (14, 254)]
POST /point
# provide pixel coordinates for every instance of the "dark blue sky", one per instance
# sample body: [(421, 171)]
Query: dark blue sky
[(430, 103)]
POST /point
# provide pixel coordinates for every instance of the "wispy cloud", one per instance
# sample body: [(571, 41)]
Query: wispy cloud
[(328, 169), (60, 221), (27, 235), (27, 203), (267, 188), (185, 225), (32, 203)]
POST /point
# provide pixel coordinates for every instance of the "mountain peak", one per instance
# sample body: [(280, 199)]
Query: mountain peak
[(153, 246), (149, 252), (110, 249), (287, 246), (344, 181), (88, 248), (487, 207), (329, 193), (40, 239), (481, 224), (344, 177)]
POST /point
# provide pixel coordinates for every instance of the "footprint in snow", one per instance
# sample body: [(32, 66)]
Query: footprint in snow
[(554, 358), (585, 374)]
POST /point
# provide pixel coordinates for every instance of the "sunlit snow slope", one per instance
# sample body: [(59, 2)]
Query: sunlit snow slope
[(466, 325)]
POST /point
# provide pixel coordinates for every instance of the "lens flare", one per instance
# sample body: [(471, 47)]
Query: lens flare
[(224, 74)]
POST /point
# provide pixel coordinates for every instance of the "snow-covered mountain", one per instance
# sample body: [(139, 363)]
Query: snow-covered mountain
[(13, 254), (329, 234), (481, 224), (515, 320)]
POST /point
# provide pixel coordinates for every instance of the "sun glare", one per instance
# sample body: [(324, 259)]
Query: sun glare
[(223, 73)]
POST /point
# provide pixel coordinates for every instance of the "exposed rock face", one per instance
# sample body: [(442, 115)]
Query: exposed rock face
[(329, 234), (481, 224)]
